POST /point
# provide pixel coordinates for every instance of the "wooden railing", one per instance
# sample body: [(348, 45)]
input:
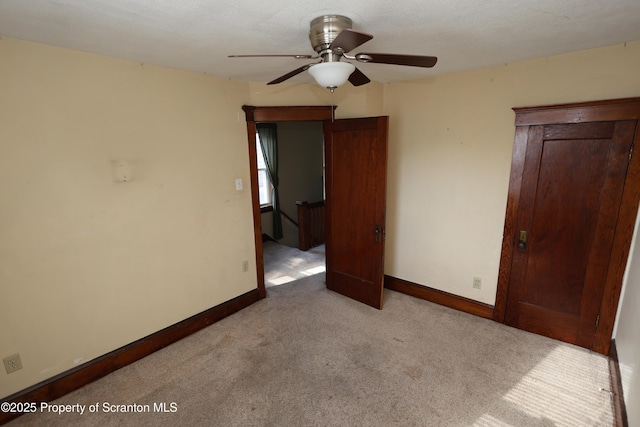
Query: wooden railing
[(310, 224), (288, 218)]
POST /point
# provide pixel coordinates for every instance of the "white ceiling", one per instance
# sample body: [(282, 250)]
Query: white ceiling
[(198, 35)]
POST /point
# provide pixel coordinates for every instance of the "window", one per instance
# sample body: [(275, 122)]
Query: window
[(264, 183)]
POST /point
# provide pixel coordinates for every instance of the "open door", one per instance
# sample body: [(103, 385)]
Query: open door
[(356, 165)]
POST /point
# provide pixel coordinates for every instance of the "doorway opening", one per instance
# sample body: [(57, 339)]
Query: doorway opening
[(320, 115), (299, 251)]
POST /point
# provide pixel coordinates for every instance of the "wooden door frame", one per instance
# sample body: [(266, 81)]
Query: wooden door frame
[(597, 111), (273, 114)]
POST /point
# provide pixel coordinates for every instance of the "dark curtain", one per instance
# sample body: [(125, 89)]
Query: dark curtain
[(268, 136)]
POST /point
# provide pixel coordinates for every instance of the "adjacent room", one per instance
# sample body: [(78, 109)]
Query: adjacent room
[(293, 245), (132, 226)]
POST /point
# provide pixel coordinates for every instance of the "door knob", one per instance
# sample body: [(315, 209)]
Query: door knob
[(522, 240)]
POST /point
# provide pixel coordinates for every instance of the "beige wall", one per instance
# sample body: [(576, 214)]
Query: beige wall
[(450, 146), (89, 263)]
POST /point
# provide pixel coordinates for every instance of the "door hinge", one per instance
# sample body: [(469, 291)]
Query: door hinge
[(631, 151), (597, 320)]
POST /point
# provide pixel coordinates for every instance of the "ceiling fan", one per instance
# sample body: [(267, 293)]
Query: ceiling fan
[(333, 38)]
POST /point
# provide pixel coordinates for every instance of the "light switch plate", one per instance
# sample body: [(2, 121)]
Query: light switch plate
[(238, 184)]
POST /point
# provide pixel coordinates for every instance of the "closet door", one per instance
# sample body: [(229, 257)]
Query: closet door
[(568, 222)]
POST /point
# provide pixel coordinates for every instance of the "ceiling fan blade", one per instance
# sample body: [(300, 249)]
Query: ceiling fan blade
[(290, 74), (357, 78), (273, 56), (390, 58), (349, 39)]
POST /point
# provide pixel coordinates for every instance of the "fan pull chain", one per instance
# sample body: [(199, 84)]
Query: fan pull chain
[(333, 109)]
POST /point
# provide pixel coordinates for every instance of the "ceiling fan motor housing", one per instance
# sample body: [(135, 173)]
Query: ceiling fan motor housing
[(324, 30)]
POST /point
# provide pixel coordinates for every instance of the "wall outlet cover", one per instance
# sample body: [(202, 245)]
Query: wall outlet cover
[(12, 363)]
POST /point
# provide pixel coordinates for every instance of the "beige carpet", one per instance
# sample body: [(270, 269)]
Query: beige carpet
[(284, 264), (306, 356)]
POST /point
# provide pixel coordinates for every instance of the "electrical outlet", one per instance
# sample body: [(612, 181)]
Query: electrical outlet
[(12, 363), (477, 283), (245, 266)]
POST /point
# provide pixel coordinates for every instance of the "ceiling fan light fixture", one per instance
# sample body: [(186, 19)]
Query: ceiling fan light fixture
[(331, 74)]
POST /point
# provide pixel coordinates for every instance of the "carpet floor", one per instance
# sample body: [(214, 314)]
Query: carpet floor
[(284, 264), (306, 356)]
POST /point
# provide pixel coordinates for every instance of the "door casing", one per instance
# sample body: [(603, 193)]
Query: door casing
[(273, 114)]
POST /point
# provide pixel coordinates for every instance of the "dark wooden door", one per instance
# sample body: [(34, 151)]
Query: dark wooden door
[(571, 191), (356, 164)]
